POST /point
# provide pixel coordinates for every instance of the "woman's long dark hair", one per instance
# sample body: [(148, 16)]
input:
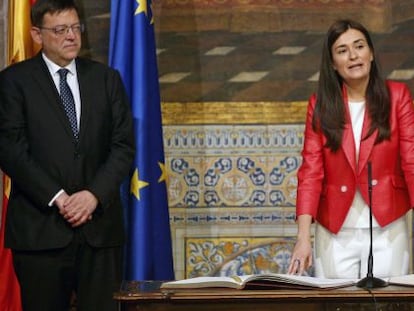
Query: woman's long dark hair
[(329, 115)]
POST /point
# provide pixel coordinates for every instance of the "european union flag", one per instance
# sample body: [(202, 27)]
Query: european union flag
[(132, 52)]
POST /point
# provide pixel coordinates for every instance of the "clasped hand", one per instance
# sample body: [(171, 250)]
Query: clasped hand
[(77, 208)]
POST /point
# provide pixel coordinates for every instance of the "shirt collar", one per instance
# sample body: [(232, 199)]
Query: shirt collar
[(53, 68)]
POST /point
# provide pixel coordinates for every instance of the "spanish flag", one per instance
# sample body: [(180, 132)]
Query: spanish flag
[(20, 44), (20, 47)]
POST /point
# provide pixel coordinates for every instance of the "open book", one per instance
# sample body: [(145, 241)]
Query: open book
[(271, 280), (405, 280)]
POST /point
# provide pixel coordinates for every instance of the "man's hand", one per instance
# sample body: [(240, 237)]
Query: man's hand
[(60, 201), (78, 207)]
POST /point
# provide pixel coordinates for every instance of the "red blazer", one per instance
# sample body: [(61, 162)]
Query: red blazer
[(327, 181)]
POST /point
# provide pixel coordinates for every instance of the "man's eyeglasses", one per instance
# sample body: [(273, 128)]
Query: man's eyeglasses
[(64, 29)]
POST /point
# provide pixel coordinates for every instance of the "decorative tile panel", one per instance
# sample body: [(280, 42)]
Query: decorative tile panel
[(232, 193), (236, 256)]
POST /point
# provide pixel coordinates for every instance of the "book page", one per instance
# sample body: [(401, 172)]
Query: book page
[(305, 280), (205, 281), (407, 280)]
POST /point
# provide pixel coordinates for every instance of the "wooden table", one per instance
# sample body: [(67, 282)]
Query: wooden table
[(146, 296)]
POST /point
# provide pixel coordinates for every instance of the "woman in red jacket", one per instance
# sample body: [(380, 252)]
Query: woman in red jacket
[(355, 121)]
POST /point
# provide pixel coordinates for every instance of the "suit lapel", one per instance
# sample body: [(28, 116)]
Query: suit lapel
[(366, 144), (42, 77), (348, 143), (86, 94)]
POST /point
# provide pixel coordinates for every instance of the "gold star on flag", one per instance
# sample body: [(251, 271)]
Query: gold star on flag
[(142, 7), (163, 176), (137, 185)]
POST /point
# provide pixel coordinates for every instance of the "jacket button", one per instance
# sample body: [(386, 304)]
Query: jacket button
[(344, 188), (374, 182)]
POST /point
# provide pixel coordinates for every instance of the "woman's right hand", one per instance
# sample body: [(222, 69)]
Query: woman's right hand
[(301, 258)]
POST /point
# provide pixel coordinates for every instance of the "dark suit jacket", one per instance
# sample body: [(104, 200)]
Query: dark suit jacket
[(327, 181), (39, 153)]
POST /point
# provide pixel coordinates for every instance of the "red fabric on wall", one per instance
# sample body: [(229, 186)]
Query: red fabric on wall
[(9, 286)]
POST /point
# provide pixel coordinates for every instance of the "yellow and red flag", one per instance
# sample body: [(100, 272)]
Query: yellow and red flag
[(9, 286), (20, 46)]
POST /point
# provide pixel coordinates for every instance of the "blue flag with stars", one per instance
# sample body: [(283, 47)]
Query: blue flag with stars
[(132, 52)]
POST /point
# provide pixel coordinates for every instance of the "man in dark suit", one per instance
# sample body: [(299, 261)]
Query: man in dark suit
[(64, 222)]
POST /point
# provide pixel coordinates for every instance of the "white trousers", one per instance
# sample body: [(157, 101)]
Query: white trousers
[(345, 255)]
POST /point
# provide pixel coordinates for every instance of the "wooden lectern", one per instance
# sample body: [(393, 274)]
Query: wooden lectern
[(146, 296)]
